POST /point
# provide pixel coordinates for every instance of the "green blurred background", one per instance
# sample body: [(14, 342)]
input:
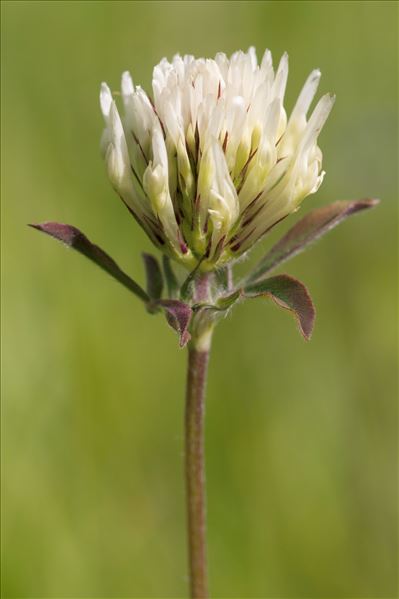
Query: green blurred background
[(301, 438)]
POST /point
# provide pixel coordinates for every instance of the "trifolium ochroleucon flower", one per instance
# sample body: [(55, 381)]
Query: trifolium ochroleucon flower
[(210, 163), (207, 166)]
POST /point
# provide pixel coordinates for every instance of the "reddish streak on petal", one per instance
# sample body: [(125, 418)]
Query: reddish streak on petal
[(141, 149), (237, 246), (226, 137)]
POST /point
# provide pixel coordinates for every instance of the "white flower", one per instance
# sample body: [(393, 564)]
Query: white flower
[(211, 163)]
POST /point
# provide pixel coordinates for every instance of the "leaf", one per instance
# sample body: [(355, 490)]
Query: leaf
[(310, 228), (170, 277), (226, 301), (75, 239), (153, 275), (222, 304), (178, 314), (288, 293)]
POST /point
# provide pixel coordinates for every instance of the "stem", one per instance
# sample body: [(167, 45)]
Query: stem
[(195, 469), (202, 287)]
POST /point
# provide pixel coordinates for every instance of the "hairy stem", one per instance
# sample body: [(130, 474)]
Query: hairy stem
[(202, 287), (197, 369), (195, 470)]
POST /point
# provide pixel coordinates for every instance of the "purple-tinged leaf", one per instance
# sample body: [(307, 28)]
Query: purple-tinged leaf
[(310, 228), (170, 277), (153, 276), (72, 237), (178, 314), (288, 293)]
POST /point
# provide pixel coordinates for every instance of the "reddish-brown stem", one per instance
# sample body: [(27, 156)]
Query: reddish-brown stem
[(195, 470), (202, 287)]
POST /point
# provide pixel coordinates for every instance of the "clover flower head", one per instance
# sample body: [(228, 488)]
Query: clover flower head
[(211, 163)]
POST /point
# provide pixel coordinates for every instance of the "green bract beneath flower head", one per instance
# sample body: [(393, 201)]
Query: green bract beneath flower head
[(211, 163)]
